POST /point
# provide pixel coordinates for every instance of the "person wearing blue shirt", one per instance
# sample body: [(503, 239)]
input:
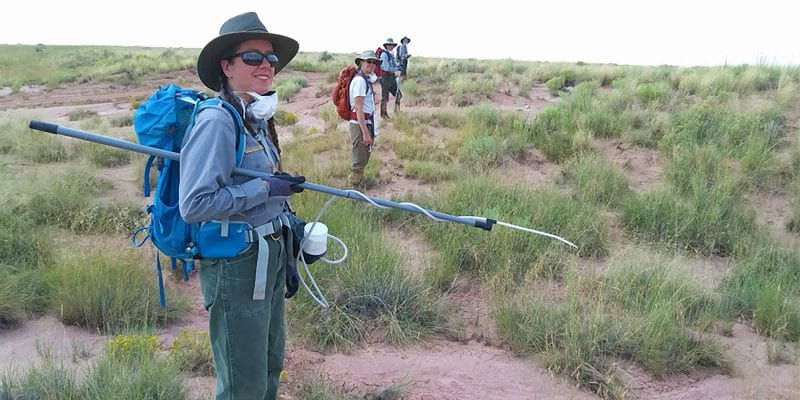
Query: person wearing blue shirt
[(388, 78)]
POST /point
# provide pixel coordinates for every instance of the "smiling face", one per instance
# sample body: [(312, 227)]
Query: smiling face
[(368, 66), (250, 78)]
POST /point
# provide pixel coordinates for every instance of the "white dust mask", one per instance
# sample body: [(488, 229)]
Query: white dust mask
[(373, 77), (264, 106)]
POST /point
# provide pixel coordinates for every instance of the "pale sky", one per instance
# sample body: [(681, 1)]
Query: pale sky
[(644, 32)]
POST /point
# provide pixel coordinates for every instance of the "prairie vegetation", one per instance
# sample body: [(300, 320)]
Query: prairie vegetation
[(627, 296)]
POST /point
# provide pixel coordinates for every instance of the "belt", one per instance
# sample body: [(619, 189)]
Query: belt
[(261, 232), (354, 117)]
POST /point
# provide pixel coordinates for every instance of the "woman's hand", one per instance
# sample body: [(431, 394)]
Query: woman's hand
[(283, 184)]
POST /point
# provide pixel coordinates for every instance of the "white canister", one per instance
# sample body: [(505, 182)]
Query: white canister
[(317, 240)]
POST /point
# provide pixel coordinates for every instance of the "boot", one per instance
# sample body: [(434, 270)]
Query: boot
[(356, 179), (384, 113)]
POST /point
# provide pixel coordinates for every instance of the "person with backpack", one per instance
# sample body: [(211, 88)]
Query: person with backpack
[(386, 73), (402, 56), (244, 293), (362, 119)]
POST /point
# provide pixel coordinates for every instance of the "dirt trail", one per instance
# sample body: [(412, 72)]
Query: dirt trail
[(439, 370), (478, 367)]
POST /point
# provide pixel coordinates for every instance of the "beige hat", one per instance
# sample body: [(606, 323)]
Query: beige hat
[(366, 55)]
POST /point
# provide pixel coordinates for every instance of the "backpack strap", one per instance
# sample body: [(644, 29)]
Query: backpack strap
[(237, 119), (369, 89)]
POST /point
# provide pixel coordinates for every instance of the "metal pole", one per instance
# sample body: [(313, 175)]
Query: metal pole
[(483, 223)]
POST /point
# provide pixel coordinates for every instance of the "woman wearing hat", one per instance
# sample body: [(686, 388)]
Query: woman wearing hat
[(362, 119), (244, 295)]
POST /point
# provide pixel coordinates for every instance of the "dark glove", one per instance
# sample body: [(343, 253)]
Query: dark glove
[(298, 230), (292, 279), (283, 184)]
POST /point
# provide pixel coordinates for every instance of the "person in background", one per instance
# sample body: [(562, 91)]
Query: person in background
[(388, 79), (244, 294), (362, 121), (402, 57)]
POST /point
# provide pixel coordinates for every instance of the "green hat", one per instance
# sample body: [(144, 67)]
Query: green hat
[(389, 41), (366, 55), (234, 31)]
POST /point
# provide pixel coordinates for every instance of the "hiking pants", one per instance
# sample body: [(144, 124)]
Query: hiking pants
[(247, 336), (359, 154), (388, 85)]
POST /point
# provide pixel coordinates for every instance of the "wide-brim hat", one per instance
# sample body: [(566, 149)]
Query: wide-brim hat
[(388, 42), (406, 38), (236, 30), (366, 55)]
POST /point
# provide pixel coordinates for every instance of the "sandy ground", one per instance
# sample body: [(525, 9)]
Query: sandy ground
[(477, 367)]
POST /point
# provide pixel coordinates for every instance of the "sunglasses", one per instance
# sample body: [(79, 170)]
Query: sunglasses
[(255, 58), (373, 62)]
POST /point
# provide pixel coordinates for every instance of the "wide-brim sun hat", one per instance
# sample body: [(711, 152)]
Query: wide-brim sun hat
[(236, 30), (366, 55), (388, 42), (406, 38)]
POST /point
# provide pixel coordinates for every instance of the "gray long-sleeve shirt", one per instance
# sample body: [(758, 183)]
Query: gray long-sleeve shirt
[(208, 190)]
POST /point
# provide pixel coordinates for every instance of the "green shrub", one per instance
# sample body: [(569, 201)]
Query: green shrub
[(284, 118), (653, 93), (132, 348), (34, 146), (56, 198), (429, 171), (371, 293), (482, 152), (119, 217), (553, 132), (556, 84), (191, 351), (467, 252), (288, 87), (468, 90), (655, 285), (79, 114), (597, 180), (45, 379), (16, 298), (22, 244), (585, 334), (412, 148), (602, 121), (120, 122), (711, 221), (146, 373), (109, 293), (764, 287), (101, 155)]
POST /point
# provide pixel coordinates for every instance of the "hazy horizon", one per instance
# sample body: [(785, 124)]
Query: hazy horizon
[(680, 32)]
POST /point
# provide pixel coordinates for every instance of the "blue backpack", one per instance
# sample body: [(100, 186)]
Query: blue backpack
[(161, 122)]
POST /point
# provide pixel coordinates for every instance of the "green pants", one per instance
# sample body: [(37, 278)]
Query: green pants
[(247, 336), (359, 154)]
